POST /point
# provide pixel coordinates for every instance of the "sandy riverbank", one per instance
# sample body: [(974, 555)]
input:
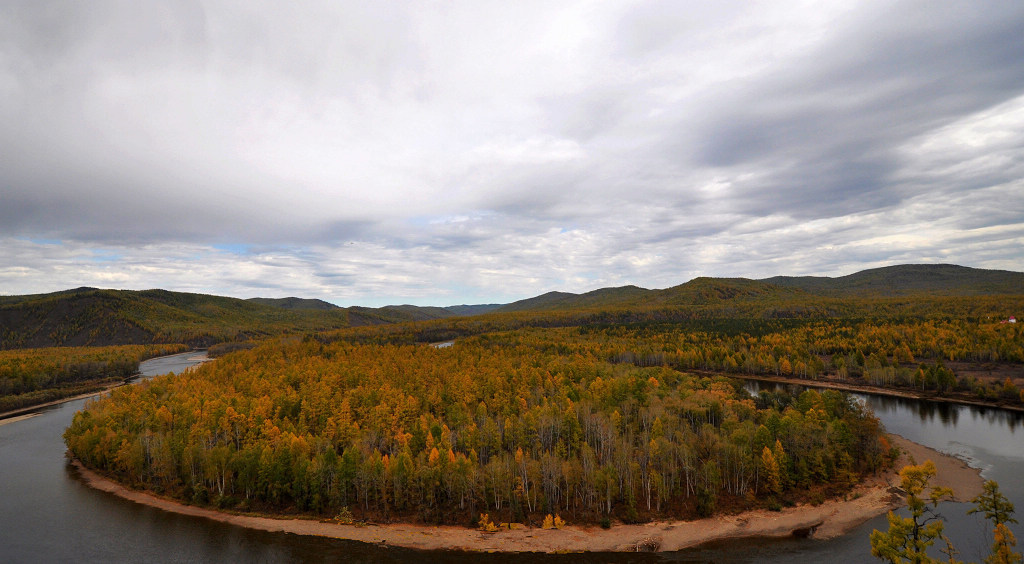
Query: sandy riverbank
[(17, 418), (827, 520)]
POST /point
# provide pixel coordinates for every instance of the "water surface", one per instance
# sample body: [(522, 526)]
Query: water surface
[(48, 515)]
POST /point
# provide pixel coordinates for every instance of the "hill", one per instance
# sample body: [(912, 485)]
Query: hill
[(905, 279), (919, 280), (604, 297), (92, 317), (417, 313)]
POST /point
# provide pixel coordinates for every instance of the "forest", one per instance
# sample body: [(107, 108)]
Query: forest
[(888, 353), (517, 425), (954, 347)]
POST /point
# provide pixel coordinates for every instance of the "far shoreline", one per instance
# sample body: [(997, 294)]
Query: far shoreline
[(875, 496), (27, 411), (24, 412)]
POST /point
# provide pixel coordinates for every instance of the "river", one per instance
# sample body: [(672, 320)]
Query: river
[(48, 515)]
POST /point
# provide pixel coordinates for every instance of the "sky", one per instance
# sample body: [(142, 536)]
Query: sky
[(440, 153)]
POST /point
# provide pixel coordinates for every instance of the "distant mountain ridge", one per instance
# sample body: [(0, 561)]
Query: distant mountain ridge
[(411, 312), (90, 316), (423, 313), (908, 279), (904, 279)]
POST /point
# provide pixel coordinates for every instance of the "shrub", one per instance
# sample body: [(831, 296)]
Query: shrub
[(485, 524)]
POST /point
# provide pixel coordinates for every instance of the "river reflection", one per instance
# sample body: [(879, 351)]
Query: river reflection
[(946, 414), (930, 413), (48, 515)]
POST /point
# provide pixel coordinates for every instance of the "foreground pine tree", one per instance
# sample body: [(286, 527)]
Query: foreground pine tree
[(999, 511), (908, 538)]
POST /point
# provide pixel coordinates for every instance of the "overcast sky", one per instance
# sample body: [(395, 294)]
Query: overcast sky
[(442, 153)]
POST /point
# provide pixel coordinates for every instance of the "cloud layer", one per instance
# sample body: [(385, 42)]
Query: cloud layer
[(476, 152)]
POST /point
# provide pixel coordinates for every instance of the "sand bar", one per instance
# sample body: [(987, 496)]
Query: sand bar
[(832, 518), (17, 418)]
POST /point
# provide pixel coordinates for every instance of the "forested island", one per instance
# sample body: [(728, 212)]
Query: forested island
[(514, 426)]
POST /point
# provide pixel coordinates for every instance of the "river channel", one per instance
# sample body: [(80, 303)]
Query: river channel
[(48, 515)]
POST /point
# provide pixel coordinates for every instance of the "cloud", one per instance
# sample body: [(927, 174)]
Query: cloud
[(828, 126), (487, 152)]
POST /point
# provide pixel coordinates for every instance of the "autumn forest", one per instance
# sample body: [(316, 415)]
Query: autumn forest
[(619, 405)]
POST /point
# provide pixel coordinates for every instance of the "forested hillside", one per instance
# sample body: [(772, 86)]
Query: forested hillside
[(91, 317), (728, 315), (910, 279)]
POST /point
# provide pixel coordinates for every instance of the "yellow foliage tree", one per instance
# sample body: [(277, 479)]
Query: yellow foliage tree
[(770, 468), (485, 523), (908, 538)]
